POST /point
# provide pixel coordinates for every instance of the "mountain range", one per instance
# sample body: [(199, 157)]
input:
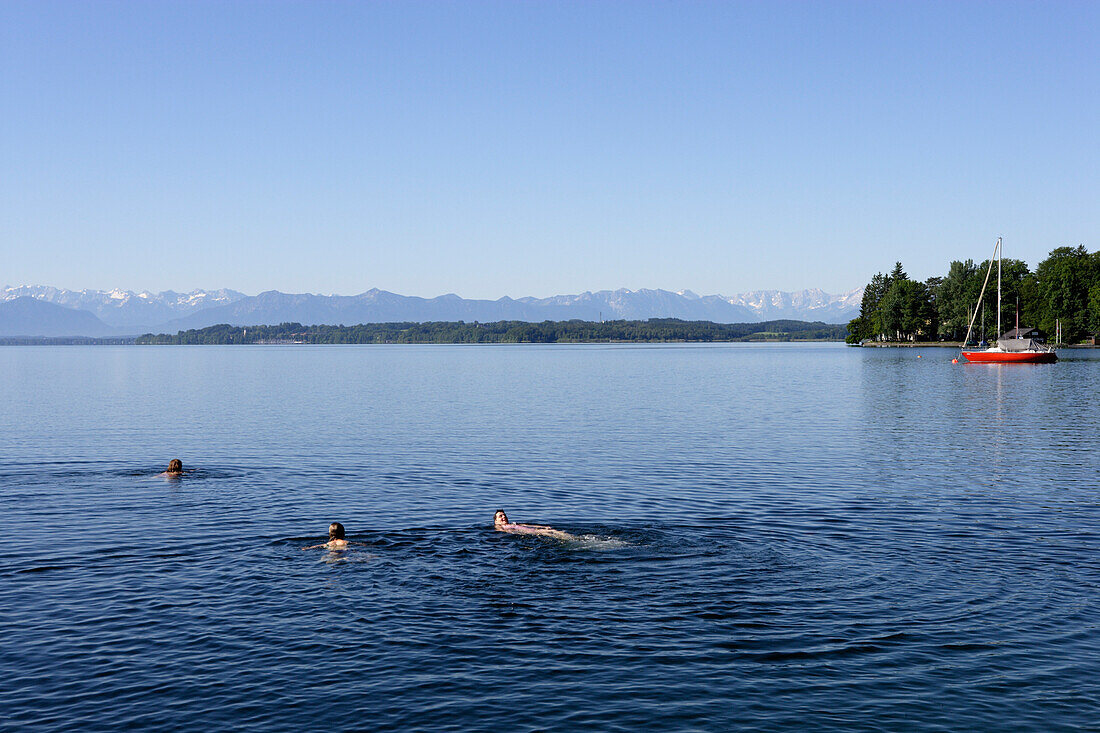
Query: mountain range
[(123, 312), (26, 316)]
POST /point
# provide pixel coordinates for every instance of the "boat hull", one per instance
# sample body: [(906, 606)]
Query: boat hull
[(1011, 357)]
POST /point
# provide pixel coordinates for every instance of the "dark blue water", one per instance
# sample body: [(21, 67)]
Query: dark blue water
[(782, 537)]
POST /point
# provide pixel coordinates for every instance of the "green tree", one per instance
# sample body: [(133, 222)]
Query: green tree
[(1014, 275), (856, 331), (921, 310), (1064, 280), (870, 316), (956, 296), (908, 312), (1094, 310), (891, 311)]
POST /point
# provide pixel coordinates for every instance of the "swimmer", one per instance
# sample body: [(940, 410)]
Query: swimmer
[(336, 539), (175, 468), (501, 524)]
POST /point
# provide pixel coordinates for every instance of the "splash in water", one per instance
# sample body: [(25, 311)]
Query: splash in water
[(597, 542)]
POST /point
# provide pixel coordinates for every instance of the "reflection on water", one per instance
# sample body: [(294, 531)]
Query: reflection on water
[(771, 537)]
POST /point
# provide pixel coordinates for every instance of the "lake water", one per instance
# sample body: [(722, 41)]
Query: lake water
[(773, 537)]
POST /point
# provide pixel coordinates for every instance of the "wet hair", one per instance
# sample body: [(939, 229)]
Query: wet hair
[(336, 531), (175, 466), (499, 511)]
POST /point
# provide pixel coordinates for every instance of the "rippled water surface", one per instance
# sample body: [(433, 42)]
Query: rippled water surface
[(770, 537)]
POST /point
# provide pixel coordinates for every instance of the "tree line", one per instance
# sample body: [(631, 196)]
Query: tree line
[(547, 332), (1065, 288)]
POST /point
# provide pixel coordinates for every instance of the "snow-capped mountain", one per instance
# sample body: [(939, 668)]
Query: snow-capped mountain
[(804, 305), (124, 309), (132, 313)]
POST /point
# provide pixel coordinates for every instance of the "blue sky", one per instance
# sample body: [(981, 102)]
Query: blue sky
[(534, 148)]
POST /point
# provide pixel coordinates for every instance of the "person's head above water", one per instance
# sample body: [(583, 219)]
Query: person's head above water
[(500, 518), (175, 466), (336, 539)]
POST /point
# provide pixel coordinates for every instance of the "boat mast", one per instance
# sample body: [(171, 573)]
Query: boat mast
[(998, 287), (981, 295)]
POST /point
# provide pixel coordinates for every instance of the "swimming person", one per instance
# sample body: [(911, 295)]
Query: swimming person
[(501, 524), (336, 539), (175, 468)]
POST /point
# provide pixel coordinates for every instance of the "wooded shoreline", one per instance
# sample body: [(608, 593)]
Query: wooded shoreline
[(1061, 296), (944, 345), (653, 330)]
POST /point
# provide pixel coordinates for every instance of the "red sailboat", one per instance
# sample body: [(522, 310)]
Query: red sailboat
[(1006, 350)]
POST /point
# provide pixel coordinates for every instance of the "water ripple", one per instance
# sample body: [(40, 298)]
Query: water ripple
[(769, 539)]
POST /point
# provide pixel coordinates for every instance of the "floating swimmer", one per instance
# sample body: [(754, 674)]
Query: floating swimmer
[(336, 539), (175, 468), (501, 524)]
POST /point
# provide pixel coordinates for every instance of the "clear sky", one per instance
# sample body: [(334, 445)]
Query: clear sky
[(534, 148)]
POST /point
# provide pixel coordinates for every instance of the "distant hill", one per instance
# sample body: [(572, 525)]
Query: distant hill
[(26, 316), (379, 306), (167, 312), (124, 309)]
